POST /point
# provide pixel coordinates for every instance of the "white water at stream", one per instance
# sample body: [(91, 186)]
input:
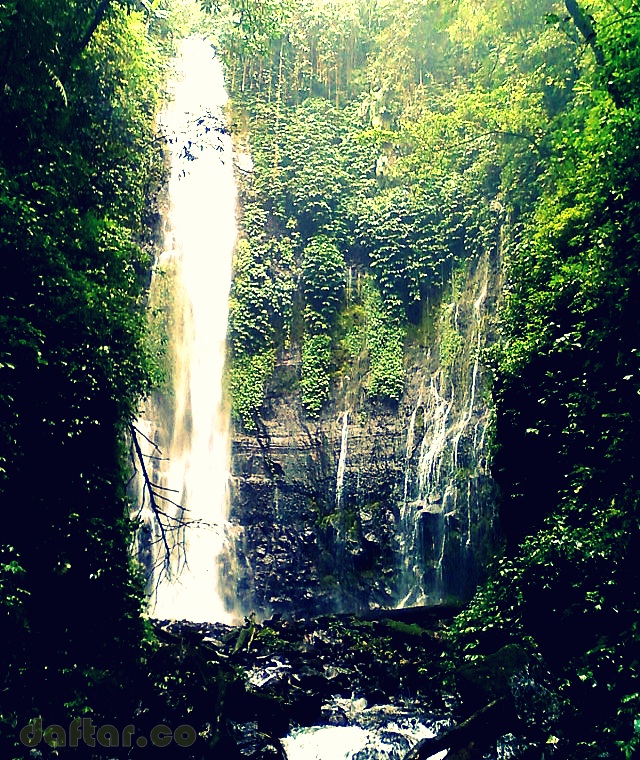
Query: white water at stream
[(188, 422), (377, 732)]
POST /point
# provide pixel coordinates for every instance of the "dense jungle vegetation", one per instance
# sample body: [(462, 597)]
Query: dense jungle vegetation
[(80, 167), (392, 140)]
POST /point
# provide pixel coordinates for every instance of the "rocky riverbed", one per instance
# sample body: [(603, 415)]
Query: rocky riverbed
[(380, 686), (334, 687)]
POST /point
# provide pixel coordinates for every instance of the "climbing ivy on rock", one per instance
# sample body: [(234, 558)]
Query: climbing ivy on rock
[(315, 371), (323, 275), (260, 309)]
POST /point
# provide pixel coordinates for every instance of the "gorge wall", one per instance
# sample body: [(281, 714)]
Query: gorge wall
[(373, 504), (372, 223)]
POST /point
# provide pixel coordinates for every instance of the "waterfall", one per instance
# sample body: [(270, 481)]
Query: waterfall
[(342, 459), (425, 488), (188, 422), (447, 491), (411, 438)]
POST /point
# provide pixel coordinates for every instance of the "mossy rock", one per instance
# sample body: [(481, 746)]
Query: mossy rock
[(405, 629), (491, 675)]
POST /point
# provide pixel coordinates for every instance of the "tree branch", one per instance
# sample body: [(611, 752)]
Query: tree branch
[(93, 25), (166, 523), (157, 512)]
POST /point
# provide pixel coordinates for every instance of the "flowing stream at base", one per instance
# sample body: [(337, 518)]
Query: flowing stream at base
[(388, 742), (186, 426), (372, 733)]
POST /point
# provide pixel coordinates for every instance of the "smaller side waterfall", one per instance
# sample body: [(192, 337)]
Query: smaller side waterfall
[(342, 459), (448, 493), (423, 500)]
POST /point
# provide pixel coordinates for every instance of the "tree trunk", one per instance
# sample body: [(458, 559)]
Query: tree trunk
[(93, 25), (585, 26), (280, 81), (474, 736)]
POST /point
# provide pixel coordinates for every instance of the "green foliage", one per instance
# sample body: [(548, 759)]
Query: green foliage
[(565, 596), (322, 268), (406, 198), (190, 679), (261, 298), (485, 127), (405, 629), (251, 27), (160, 323), (398, 233), (247, 379), (313, 182), (385, 346), (315, 371), (79, 89), (322, 282), (249, 318), (352, 328), (451, 340), (312, 48), (395, 139), (386, 379), (13, 617), (478, 127), (260, 308), (568, 392)]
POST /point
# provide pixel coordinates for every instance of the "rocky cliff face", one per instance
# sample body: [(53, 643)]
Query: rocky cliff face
[(372, 505)]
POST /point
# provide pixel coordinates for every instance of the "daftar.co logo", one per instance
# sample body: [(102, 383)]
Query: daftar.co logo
[(84, 731)]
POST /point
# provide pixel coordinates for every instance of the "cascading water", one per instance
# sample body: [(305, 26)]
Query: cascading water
[(446, 483), (380, 732), (188, 422), (342, 459)]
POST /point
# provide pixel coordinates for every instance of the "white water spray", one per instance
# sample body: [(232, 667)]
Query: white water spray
[(191, 420), (342, 459), (379, 731), (444, 474)]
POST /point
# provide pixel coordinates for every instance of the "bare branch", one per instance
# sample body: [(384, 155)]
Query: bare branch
[(147, 439), (165, 488), (164, 547), (150, 490)]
